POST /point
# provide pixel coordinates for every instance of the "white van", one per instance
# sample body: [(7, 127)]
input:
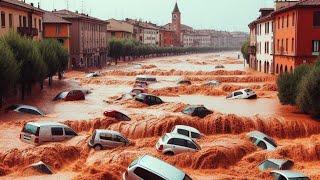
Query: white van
[(41, 132), (188, 131)]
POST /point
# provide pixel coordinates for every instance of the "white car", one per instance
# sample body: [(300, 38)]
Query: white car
[(288, 175), (148, 167), (21, 108), (262, 140), (107, 139), (242, 94), (188, 131), (171, 144), (41, 132)]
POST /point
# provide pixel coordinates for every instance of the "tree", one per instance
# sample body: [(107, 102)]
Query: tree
[(49, 55), (244, 50), (288, 84), (9, 70), (309, 95)]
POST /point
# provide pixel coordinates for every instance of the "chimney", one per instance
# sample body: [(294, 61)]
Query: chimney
[(284, 3), (31, 4)]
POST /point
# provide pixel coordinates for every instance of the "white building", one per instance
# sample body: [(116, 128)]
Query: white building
[(264, 45), (151, 36)]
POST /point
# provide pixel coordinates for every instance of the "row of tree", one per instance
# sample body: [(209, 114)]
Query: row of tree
[(25, 62), (301, 88), (132, 49)]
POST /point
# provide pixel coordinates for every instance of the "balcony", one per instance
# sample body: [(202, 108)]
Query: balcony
[(252, 50), (27, 31)]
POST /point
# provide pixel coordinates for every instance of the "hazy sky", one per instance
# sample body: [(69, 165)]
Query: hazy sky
[(231, 15)]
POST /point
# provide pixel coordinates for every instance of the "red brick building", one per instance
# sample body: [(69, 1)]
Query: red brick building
[(296, 35), (167, 37), (176, 25)]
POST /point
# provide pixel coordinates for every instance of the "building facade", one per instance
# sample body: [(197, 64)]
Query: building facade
[(296, 35), (166, 37), (119, 29), (88, 39), (176, 25), (21, 17)]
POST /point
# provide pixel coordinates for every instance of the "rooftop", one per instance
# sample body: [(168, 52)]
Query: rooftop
[(21, 4), (176, 9), (75, 15), (50, 17)]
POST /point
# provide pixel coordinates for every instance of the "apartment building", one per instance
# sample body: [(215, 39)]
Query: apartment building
[(119, 29), (166, 38), (26, 19), (145, 32), (88, 39)]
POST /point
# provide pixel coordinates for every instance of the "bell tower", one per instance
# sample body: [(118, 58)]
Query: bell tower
[(176, 24)]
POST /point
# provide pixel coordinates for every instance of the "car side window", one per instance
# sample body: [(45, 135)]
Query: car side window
[(119, 139), (253, 140), (262, 145), (56, 131), (195, 135), (183, 132), (158, 100), (170, 141), (146, 175), (191, 145), (238, 93), (180, 142), (107, 137), (69, 132)]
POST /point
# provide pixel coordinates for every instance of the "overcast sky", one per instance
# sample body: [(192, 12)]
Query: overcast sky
[(231, 15)]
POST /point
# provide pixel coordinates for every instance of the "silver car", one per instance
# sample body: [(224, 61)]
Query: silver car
[(171, 144), (188, 131), (276, 164), (242, 94), (262, 140), (288, 175), (107, 139), (150, 168)]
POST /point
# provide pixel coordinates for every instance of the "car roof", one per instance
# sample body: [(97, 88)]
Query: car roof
[(289, 174), (258, 135), (144, 76), (174, 135), (189, 128), (278, 162), (26, 106), (108, 131), (162, 168), (46, 123)]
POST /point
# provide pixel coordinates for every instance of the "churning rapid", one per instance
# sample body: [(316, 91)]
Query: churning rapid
[(226, 152)]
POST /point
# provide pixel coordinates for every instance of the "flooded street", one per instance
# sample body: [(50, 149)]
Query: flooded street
[(226, 152)]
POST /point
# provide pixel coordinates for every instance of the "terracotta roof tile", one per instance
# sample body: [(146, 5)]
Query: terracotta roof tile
[(50, 17)]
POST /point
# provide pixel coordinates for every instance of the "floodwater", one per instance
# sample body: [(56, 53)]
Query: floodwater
[(225, 153)]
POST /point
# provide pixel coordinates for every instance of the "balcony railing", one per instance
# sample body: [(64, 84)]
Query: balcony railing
[(27, 31), (252, 50)]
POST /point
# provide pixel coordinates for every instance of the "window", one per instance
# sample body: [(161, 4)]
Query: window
[(35, 22), (31, 129), (288, 20), (270, 141), (10, 21), (191, 145), (293, 19), (183, 132), (24, 21), (195, 135), (179, 142), (69, 132), (316, 18), (278, 45), (282, 22), (286, 45), (278, 22), (56, 131), (3, 19), (292, 45), (315, 46), (262, 145), (58, 29), (238, 93), (107, 137), (119, 139), (144, 174), (20, 21), (40, 25)]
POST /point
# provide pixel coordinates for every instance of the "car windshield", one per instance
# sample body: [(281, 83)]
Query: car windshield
[(31, 129), (248, 90), (186, 177), (270, 141), (165, 138), (134, 162)]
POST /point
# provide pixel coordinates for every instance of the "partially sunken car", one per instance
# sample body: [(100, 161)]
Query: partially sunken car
[(41, 167), (140, 84), (288, 175), (212, 83), (148, 99), (242, 94), (188, 131), (171, 144), (146, 78), (148, 167), (197, 110), (136, 91), (107, 139), (262, 140), (92, 74), (184, 82), (25, 109), (117, 115), (220, 66), (276, 164), (41, 132), (73, 95)]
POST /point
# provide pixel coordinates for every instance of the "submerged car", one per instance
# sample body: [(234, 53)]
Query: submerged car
[(242, 94), (199, 111), (188, 131), (288, 175), (140, 84), (212, 83), (145, 78), (184, 82), (220, 66), (93, 74), (150, 168), (171, 144), (262, 140), (107, 139), (117, 115), (74, 95), (276, 164), (41, 132), (41, 167), (148, 99), (25, 109), (136, 91)]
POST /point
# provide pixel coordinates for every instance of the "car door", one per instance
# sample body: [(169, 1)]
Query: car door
[(69, 133), (117, 141), (191, 147), (57, 134), (180, 145), (105, 139)]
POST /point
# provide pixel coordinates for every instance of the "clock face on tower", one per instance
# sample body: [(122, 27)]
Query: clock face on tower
[(174, 16)]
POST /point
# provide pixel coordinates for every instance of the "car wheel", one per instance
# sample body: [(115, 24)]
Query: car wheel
[(169, 153), (97, 147)]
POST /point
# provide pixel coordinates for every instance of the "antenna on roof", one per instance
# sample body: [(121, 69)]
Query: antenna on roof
[(52, 4), (67, 4), (82, 6)]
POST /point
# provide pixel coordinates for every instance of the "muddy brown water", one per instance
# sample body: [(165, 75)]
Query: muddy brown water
[(226, 153)]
